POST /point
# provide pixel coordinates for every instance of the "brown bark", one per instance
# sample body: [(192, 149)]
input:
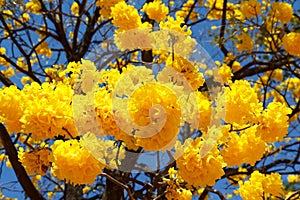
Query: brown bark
[(20, 172)]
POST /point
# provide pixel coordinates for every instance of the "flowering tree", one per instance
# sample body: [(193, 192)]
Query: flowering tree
[(114, 99)]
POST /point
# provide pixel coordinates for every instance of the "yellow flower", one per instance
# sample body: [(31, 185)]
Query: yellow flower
[(290, 43), (293, 178), (282, 11), (225, 72), (205, 111), (150, 106), (75, 8), (36, 162), (216, 7), (261, 186), (25, 17), (156, 10), (236, 150), (245, 42), (11, 109), (186, 7), (274, 122), (125, 16), (47, 111), (236, 66), (174, 190), (44, 49), (187, 69), (251, 8), (9, 72), (34, 6), (197, 169), (175, 25), (239, 103), (73, 162), (106, 6)]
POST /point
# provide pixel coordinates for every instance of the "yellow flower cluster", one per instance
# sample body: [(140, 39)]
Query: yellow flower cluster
[(105, 117), (126, 17), (175, 25), (174, 190), (105, 151), (71, 74), (274, 122), (43, 110), (293, 178), (245, 42), (261, 186), (34, 6), (240, 103), (75, 8), (205, 111), (10, 108), (143, 103), (36, 162), (196, 169), (104, 108), (9, 72), (44, 49), (293, 86), (290, 43), (2, 2), (2, 60), (236, 66), (236, 150), (187, 69), (156, 10), (251, 8), (277, 74), (43, 116), (282, 11), (186, 9), (225, 72), (216, 7), (73, 162), (25, 17), (106, 7)]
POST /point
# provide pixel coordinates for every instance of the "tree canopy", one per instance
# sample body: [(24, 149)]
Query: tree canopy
[(154, 99)]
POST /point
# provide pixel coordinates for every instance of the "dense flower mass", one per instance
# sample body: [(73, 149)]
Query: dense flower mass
[(282, 11), (187, 69), (156, 10), (186, 11), (197, 169), (236, 150), (251, 8), (239, 104), (151, 105), (126, 17), (274, 122), (10, 100), (73, 162), (36, 162), (42, 116), (261, 186), (151, 99), (245, 42), (106, 6), (290, 43), (34, 6), (174, 190)]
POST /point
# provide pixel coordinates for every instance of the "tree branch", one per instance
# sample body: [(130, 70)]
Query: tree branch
[(20, 172)]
